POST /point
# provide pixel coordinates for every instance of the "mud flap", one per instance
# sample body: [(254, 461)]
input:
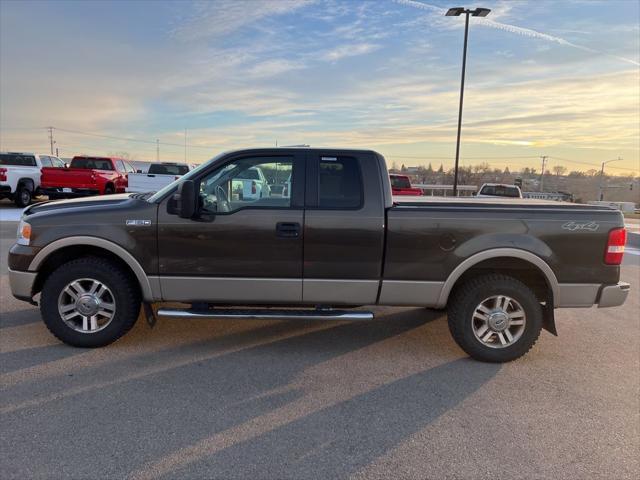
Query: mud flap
[(549, 319), (149, 314)]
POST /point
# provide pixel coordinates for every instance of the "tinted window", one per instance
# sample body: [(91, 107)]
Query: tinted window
[(17, 160), (500, 191), (400, 182), (228, 189), (160, 169), (92, 163), (340, 184)]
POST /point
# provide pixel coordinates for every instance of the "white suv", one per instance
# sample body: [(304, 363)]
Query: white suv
[(20, 175)]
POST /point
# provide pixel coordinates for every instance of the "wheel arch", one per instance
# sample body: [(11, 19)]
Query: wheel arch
[(24, 181), (493, 254), (150, 290)]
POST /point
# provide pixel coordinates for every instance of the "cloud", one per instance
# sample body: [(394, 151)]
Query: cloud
[(349, 50), (222, 17)]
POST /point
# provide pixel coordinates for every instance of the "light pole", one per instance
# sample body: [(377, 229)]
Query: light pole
[(602, 175), (456, 12)]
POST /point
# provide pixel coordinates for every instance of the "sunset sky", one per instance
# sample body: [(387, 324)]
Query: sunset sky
[(543, 78)]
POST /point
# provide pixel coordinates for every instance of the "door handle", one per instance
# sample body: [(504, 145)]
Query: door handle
[(288, 229)]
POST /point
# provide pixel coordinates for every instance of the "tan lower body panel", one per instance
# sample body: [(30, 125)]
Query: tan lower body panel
[(410, 293), (231, 290), (340, 292)]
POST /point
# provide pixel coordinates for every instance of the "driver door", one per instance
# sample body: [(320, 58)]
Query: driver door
[(245, 244)]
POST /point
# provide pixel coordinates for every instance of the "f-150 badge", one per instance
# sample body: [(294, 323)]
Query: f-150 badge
[(573, 226), (138, 223)]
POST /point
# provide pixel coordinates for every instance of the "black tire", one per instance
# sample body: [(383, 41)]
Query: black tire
[(22, 197), (125, 292), (109, 190), (463, 303)]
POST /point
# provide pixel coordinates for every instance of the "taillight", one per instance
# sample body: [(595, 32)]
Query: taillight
[(3, 174), (615, 246), (253, 188)]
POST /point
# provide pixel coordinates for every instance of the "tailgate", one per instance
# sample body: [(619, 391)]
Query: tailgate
[(66, 177)]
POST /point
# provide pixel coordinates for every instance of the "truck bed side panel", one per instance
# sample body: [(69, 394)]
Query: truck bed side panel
[(427, 243)]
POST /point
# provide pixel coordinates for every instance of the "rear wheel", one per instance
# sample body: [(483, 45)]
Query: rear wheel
[(495, 318), (89, 302), (22, 197), (108, 190)]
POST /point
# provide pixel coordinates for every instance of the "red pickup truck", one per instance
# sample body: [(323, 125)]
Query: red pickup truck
[(86, 176), (401, 185)]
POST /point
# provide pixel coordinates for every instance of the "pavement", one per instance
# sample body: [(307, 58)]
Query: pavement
[(392, 398)]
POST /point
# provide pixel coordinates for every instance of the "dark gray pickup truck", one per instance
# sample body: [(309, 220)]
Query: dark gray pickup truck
[(325, 236)]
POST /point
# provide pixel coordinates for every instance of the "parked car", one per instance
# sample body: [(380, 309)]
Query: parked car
[(20, 175), (339, 240), (499, 190), (251, 184), (158, 176), (86, 176), (401, 185)]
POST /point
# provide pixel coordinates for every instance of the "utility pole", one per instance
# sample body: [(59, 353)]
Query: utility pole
[(544, 161), (51, 141), (157, 149)]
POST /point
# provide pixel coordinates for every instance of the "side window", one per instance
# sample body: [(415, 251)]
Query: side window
[(339, 183), (129, 168), (119, 165), (256, 182), (46, 161), (57, 162)]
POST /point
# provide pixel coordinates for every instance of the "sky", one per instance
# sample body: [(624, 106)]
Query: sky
[(555, 78)]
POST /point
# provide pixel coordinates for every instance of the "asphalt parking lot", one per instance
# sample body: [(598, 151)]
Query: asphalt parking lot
[(393, 398)]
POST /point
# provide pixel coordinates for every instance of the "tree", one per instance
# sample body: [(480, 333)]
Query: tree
[(429, 169), (559, 170), (441, 169), (506, 171), (592, 172)]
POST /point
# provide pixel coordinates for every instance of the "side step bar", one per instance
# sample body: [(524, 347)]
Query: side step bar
[(265, 314)]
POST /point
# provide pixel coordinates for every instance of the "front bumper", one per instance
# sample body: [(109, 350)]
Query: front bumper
[(613, 295), (21, 284)]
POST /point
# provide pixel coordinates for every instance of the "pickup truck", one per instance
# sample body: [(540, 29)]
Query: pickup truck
[(338, 241), (20, 175), (159, 175), (401, 185), (86, 176)]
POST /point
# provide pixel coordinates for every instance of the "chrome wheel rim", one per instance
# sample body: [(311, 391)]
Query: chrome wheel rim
[(86, 305), (498, 321)]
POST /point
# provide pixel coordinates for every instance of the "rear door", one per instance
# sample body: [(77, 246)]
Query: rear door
[(343, 229), (241, 249)]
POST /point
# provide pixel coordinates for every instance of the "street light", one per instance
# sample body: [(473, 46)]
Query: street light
[(456, 12), (602, 175)]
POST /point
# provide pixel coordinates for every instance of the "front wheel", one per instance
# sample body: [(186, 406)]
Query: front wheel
[(89, 302), (494, 318)]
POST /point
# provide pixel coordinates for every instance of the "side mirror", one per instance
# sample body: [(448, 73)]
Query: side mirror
[(185, 199), (138, 171), (66, 165)]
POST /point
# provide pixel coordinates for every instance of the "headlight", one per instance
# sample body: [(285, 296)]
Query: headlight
[(24, 233)]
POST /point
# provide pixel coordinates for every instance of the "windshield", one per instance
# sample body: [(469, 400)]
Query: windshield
[(167, 169), (500, 191), (160, 194)]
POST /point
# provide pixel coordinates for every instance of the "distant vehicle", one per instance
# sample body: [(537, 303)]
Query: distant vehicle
[(491, 190), (158, 176), (20, 175), (401, 185), (86, 176), (251, 184)]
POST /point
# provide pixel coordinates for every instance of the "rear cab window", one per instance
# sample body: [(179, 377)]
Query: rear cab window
[(17, 160), (339, 183), (500, 191), (160, 169), (400, 182), (92, 163)]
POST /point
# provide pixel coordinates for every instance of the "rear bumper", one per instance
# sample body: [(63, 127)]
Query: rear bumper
[(21, 284), (613, 295)]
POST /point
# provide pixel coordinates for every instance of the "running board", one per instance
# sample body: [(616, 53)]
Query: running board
[(265, 314)]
